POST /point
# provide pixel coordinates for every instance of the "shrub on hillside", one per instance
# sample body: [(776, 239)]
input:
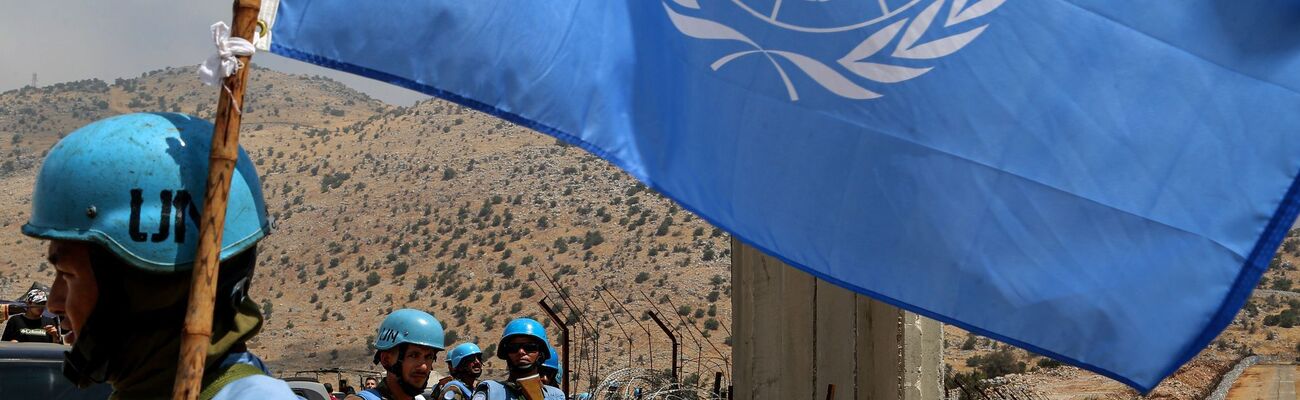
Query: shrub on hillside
[(1048, 363), (969, 344), (1282, 284), (592, 239), (1286, 319), (506, 269), (996, 364)]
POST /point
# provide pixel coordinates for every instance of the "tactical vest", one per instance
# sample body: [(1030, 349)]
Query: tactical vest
[(496, 391), (459, 387)]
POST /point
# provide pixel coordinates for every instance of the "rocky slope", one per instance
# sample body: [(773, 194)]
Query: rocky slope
[(432, 206)]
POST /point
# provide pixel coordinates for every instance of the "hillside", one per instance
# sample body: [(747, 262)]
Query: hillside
[(438, 207), (378, 207), (1269, 324)]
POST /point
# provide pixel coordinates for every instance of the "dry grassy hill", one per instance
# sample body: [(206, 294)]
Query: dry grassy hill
[(433, 206)]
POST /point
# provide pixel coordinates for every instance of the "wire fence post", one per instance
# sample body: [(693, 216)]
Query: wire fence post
[(672, 338)]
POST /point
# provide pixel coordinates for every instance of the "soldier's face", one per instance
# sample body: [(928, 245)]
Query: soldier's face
[(416, 364), (474, 365), (74, 292), (522, 351), (34, 310)]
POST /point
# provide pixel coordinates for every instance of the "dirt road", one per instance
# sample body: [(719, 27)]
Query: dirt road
[(1266, 382)]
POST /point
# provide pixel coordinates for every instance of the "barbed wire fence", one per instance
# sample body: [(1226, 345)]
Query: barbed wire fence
[(648, 384)]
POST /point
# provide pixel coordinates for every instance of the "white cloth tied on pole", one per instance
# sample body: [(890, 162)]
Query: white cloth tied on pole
[(224, 64)]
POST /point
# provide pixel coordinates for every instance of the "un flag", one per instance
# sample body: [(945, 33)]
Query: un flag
[(1100, 181)]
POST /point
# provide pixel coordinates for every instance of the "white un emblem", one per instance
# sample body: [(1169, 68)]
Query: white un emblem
[(887, 31)]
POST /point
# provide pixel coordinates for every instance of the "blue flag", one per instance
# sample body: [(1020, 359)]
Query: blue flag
[(1099, 181)]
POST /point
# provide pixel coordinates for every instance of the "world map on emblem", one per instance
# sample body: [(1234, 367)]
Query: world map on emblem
[(879, 35), (824, 16)]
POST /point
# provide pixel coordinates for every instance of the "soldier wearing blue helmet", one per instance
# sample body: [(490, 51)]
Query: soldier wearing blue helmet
[(406, 345), (524, 347), (551, 370), (118, 200), (465, 365)]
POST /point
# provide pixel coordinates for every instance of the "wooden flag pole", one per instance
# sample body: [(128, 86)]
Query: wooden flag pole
[(221, 165)]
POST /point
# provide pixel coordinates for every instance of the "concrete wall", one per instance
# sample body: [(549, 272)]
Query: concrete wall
[(793, 335)]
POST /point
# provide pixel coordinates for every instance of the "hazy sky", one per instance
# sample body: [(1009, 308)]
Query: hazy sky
[(64, 41)]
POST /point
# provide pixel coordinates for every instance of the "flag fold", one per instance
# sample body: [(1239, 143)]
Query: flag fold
[(1102, 182)]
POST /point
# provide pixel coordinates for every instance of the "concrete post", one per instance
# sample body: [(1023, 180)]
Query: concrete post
[(796, 335)]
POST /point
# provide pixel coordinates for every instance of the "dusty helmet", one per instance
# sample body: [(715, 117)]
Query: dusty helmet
[(524, 327), (459, 353), (135, 184), (409, 326), (553, 363)]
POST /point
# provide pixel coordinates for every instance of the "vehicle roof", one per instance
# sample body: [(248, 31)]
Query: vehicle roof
[(306, 384), (32, 351), (309, 390)]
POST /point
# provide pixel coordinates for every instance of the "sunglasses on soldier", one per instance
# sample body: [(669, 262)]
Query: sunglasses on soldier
[(529, 347)]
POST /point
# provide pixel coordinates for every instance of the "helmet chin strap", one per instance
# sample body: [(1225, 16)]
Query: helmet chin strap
[(86, 363), (532, 367), (395, 370)]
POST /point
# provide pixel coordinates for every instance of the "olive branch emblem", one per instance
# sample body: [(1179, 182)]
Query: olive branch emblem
[(868, 59)]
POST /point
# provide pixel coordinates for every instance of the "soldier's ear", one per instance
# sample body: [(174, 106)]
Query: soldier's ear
[(387, 357)]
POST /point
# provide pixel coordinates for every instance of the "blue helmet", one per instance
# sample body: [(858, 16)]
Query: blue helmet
[(135, 184), (553, 363), (409, 326), (524, 327), (460, 352)]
